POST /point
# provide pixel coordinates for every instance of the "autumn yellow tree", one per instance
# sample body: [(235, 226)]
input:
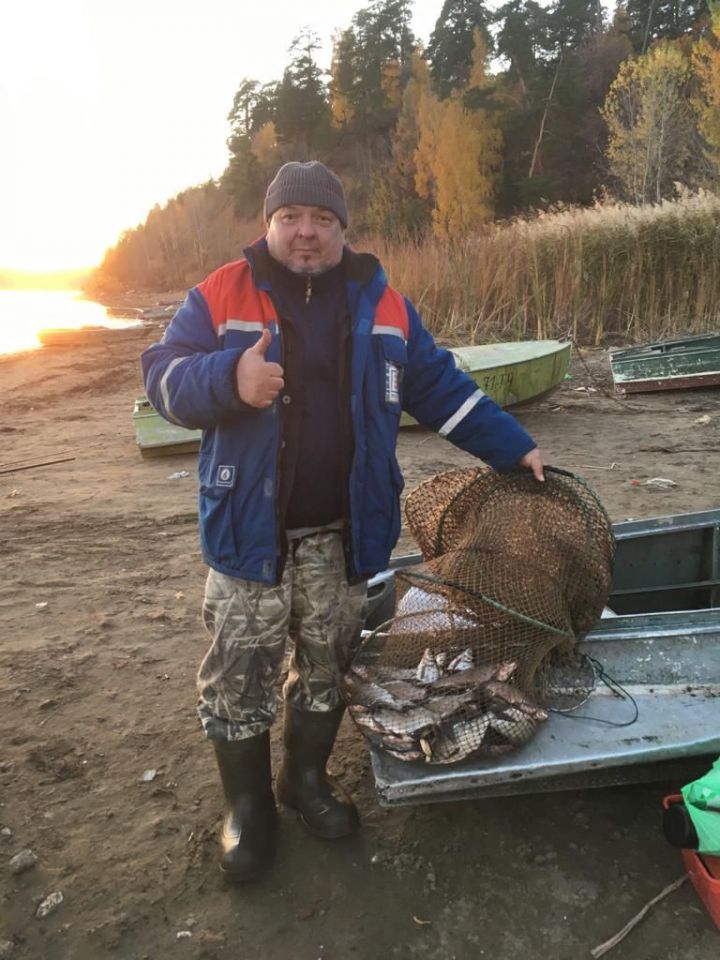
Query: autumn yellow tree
[(458, 157), (652, 133), (706, 64), (264, 146), (394, 207)]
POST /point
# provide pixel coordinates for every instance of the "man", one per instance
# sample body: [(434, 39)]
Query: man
[(297, 362)]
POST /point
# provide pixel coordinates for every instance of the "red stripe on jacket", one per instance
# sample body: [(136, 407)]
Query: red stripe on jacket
[(392, 312), (231, 295)]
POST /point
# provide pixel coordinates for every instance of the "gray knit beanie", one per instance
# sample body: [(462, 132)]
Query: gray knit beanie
[(310, 184)]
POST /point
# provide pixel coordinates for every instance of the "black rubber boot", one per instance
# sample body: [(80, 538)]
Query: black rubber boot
[(247, 840), (303, 784)]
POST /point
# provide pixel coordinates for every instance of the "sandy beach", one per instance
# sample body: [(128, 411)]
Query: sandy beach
[(104, 774)]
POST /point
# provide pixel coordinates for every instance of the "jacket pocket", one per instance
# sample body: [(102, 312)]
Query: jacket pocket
[(216, 523)]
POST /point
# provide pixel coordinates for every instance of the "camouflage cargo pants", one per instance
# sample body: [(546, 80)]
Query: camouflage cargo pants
[(250, 624)]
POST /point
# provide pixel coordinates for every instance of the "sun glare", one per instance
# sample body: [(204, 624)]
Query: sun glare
[(25, 313)]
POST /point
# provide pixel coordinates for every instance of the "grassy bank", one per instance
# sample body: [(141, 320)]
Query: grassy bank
[(612, 272)]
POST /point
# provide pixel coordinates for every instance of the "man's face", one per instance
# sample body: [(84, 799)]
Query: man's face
[(306, 240)]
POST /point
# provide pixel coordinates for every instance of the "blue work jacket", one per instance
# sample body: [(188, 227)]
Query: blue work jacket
[(394, 365)]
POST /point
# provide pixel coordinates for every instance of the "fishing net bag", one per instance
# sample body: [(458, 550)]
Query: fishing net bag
[(484, 637)]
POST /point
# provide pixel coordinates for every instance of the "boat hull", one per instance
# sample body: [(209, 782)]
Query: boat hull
[(512, 373), (690, 362)]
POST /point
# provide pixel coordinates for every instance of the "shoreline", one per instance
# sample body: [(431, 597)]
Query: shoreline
[(144, 306)]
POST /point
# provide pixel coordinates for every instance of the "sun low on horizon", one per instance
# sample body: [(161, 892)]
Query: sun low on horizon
[(108, 110)]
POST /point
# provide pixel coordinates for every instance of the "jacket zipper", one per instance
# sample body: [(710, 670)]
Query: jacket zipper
[(346, 347)]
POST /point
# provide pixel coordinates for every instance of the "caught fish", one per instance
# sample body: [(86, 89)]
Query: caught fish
[(387, 674), (504, 671), (367, 693), (475, 677), (511, 696), (441, 660), (399, 744), (413, 722), (515, 731), (447, 704), (407, 692), (428, 670), (417, 607), (511, 713), (407, 757), (463, 661), (458, 740)]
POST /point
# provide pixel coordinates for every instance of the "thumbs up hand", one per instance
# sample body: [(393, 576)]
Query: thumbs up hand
[(258, 381)]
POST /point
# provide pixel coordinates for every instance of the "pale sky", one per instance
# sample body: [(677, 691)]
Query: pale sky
[(107, 108)]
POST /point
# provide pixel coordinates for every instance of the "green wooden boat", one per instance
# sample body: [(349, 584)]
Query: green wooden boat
[(510, 373), (157, 437), (668, 365)]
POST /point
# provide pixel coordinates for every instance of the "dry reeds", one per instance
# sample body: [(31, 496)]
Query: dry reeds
[(610, 271)]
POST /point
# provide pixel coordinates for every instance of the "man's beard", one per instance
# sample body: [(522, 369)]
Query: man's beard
[(307, 270)]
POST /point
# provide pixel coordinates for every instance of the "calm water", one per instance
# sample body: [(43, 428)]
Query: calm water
[(24, 313)]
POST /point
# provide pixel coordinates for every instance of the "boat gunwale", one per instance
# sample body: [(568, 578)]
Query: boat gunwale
[(562, 345), (654, 344)]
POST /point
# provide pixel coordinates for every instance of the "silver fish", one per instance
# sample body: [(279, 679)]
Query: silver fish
[(515, 731), (367, 693), (385, 674), (511, 713), (407, 757), (504, 671), (378, 735), (412, 723), (475, 677), (511, 696), (428, 670), (441, 660), (406, 692), (445, 705), (464, 661), (458, 741)]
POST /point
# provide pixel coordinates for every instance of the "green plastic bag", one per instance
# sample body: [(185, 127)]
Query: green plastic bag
[(702, 801)]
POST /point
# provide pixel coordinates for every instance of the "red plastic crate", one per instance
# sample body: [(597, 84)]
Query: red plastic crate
[(704, 872)]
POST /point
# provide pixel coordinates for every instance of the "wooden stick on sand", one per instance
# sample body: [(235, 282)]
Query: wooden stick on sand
[(603, 948)]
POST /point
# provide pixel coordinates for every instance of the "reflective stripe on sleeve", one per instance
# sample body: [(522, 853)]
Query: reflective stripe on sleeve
[(388, 331), (164, 392), (460, 413)]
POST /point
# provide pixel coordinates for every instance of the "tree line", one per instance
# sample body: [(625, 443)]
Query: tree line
[(504, 111)]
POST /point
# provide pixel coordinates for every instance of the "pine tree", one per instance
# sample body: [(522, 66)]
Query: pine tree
[(652, 20), (572, 23), (523, 97), (244, 102), (370, 69), (522, 39), (302, 114), (450, 48)]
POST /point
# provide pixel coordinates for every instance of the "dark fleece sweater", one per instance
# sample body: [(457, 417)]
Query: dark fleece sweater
[(315, 342)]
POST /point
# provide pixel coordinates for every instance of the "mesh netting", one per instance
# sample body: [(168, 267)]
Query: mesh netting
[(484, 635)]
